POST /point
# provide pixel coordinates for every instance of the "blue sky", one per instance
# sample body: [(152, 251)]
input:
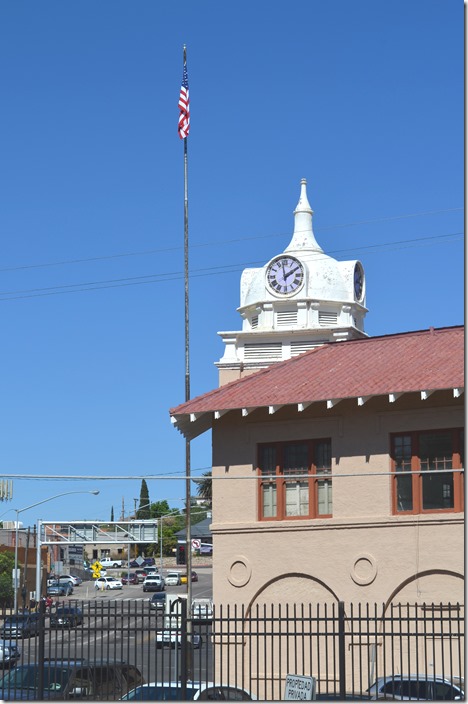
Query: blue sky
[(365, 99)]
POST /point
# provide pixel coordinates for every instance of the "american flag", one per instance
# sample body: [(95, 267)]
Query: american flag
[(184, 106)]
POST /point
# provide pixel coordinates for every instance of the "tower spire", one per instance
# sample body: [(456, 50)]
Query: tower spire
[(303, 235)]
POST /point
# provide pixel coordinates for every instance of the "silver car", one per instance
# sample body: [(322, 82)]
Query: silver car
[(9, 653), (416, 687)]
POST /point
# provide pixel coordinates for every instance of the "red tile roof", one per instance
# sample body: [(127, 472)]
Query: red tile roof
[(413, 361)]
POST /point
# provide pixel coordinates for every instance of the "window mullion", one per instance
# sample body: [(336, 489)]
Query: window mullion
[(417, 479), (312, 481)]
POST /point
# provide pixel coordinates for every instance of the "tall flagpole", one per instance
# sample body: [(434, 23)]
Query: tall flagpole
[(184, 128), (188, 545)]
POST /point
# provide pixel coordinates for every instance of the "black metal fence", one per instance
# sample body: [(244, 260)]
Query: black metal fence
[(346, 648)]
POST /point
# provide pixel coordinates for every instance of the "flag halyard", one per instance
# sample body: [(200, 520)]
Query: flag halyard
[(184, 106)]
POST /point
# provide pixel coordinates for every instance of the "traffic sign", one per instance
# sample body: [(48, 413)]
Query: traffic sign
[(96, 567), (298, 687), (196, 544)]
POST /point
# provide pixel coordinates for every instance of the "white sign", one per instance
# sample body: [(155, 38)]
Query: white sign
[(196, 544), (16, 576), (298, 687)]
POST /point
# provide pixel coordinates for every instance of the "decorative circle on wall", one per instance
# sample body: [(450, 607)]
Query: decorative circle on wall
[(364, 569), (240, 571)]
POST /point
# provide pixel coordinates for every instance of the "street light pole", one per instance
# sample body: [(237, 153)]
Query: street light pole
[(26, 508)]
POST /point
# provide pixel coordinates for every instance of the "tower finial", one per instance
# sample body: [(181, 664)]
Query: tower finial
[(303, 236)]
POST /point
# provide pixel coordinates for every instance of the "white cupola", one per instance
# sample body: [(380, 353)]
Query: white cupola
[(299, 299)]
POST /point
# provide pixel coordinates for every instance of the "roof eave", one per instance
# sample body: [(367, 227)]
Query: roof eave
[(193, 424)]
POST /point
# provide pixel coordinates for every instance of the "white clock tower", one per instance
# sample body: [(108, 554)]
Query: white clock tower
[(300, 299)]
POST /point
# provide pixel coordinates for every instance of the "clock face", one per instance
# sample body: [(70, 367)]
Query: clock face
[(285, 275), (358, 282)]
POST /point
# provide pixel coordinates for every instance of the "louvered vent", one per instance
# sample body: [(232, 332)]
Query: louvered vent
[(254, 322), (286, 318), (263, 351), (328, 318), (300, 347)]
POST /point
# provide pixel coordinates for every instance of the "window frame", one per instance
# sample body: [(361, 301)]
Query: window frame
[(279, 479), (417, 473)]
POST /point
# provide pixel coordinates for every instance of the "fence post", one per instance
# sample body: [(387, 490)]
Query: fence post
[(342, 649), (41, 649), (184, 670)]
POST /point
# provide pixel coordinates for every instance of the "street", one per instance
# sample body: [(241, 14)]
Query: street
[(120, 625)]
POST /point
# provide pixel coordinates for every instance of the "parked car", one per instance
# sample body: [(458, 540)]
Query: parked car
[(90, 571), (151, 570), (71, 679), (154, 583), (223, 692), (158, 601), (159, 691), (173, 638), (416, 687), (107, 583), (9, 653), (202, 609), (20, 626), (75, 581), (173, 579), (110, 562), (206, 550), (183, 577), (66, 617), (144, 562), (129, 578), (58, 588)]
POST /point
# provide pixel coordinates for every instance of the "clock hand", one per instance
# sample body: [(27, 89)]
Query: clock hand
[(291, 272)]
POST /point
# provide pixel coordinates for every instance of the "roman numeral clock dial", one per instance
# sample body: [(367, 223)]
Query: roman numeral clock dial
[(285, 276)]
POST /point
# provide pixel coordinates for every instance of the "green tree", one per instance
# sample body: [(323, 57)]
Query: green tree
[(204, 487), (7, 564), (159, 508), (143, 511), (112, 514)]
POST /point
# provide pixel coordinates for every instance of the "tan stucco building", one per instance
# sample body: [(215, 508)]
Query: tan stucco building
[(337, 458), (337, 475)]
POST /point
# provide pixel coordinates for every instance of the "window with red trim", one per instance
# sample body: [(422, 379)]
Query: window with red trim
[(427, 472), (295, 479)]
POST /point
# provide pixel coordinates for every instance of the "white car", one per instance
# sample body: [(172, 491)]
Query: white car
[(202, 609), (173, 579), (155, 691), (154, 583), (110, 562), (173, 638), (70, 578), (108, 583)]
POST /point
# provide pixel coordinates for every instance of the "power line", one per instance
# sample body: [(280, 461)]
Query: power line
[(252, 475), (219, 243), (207, 271)]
